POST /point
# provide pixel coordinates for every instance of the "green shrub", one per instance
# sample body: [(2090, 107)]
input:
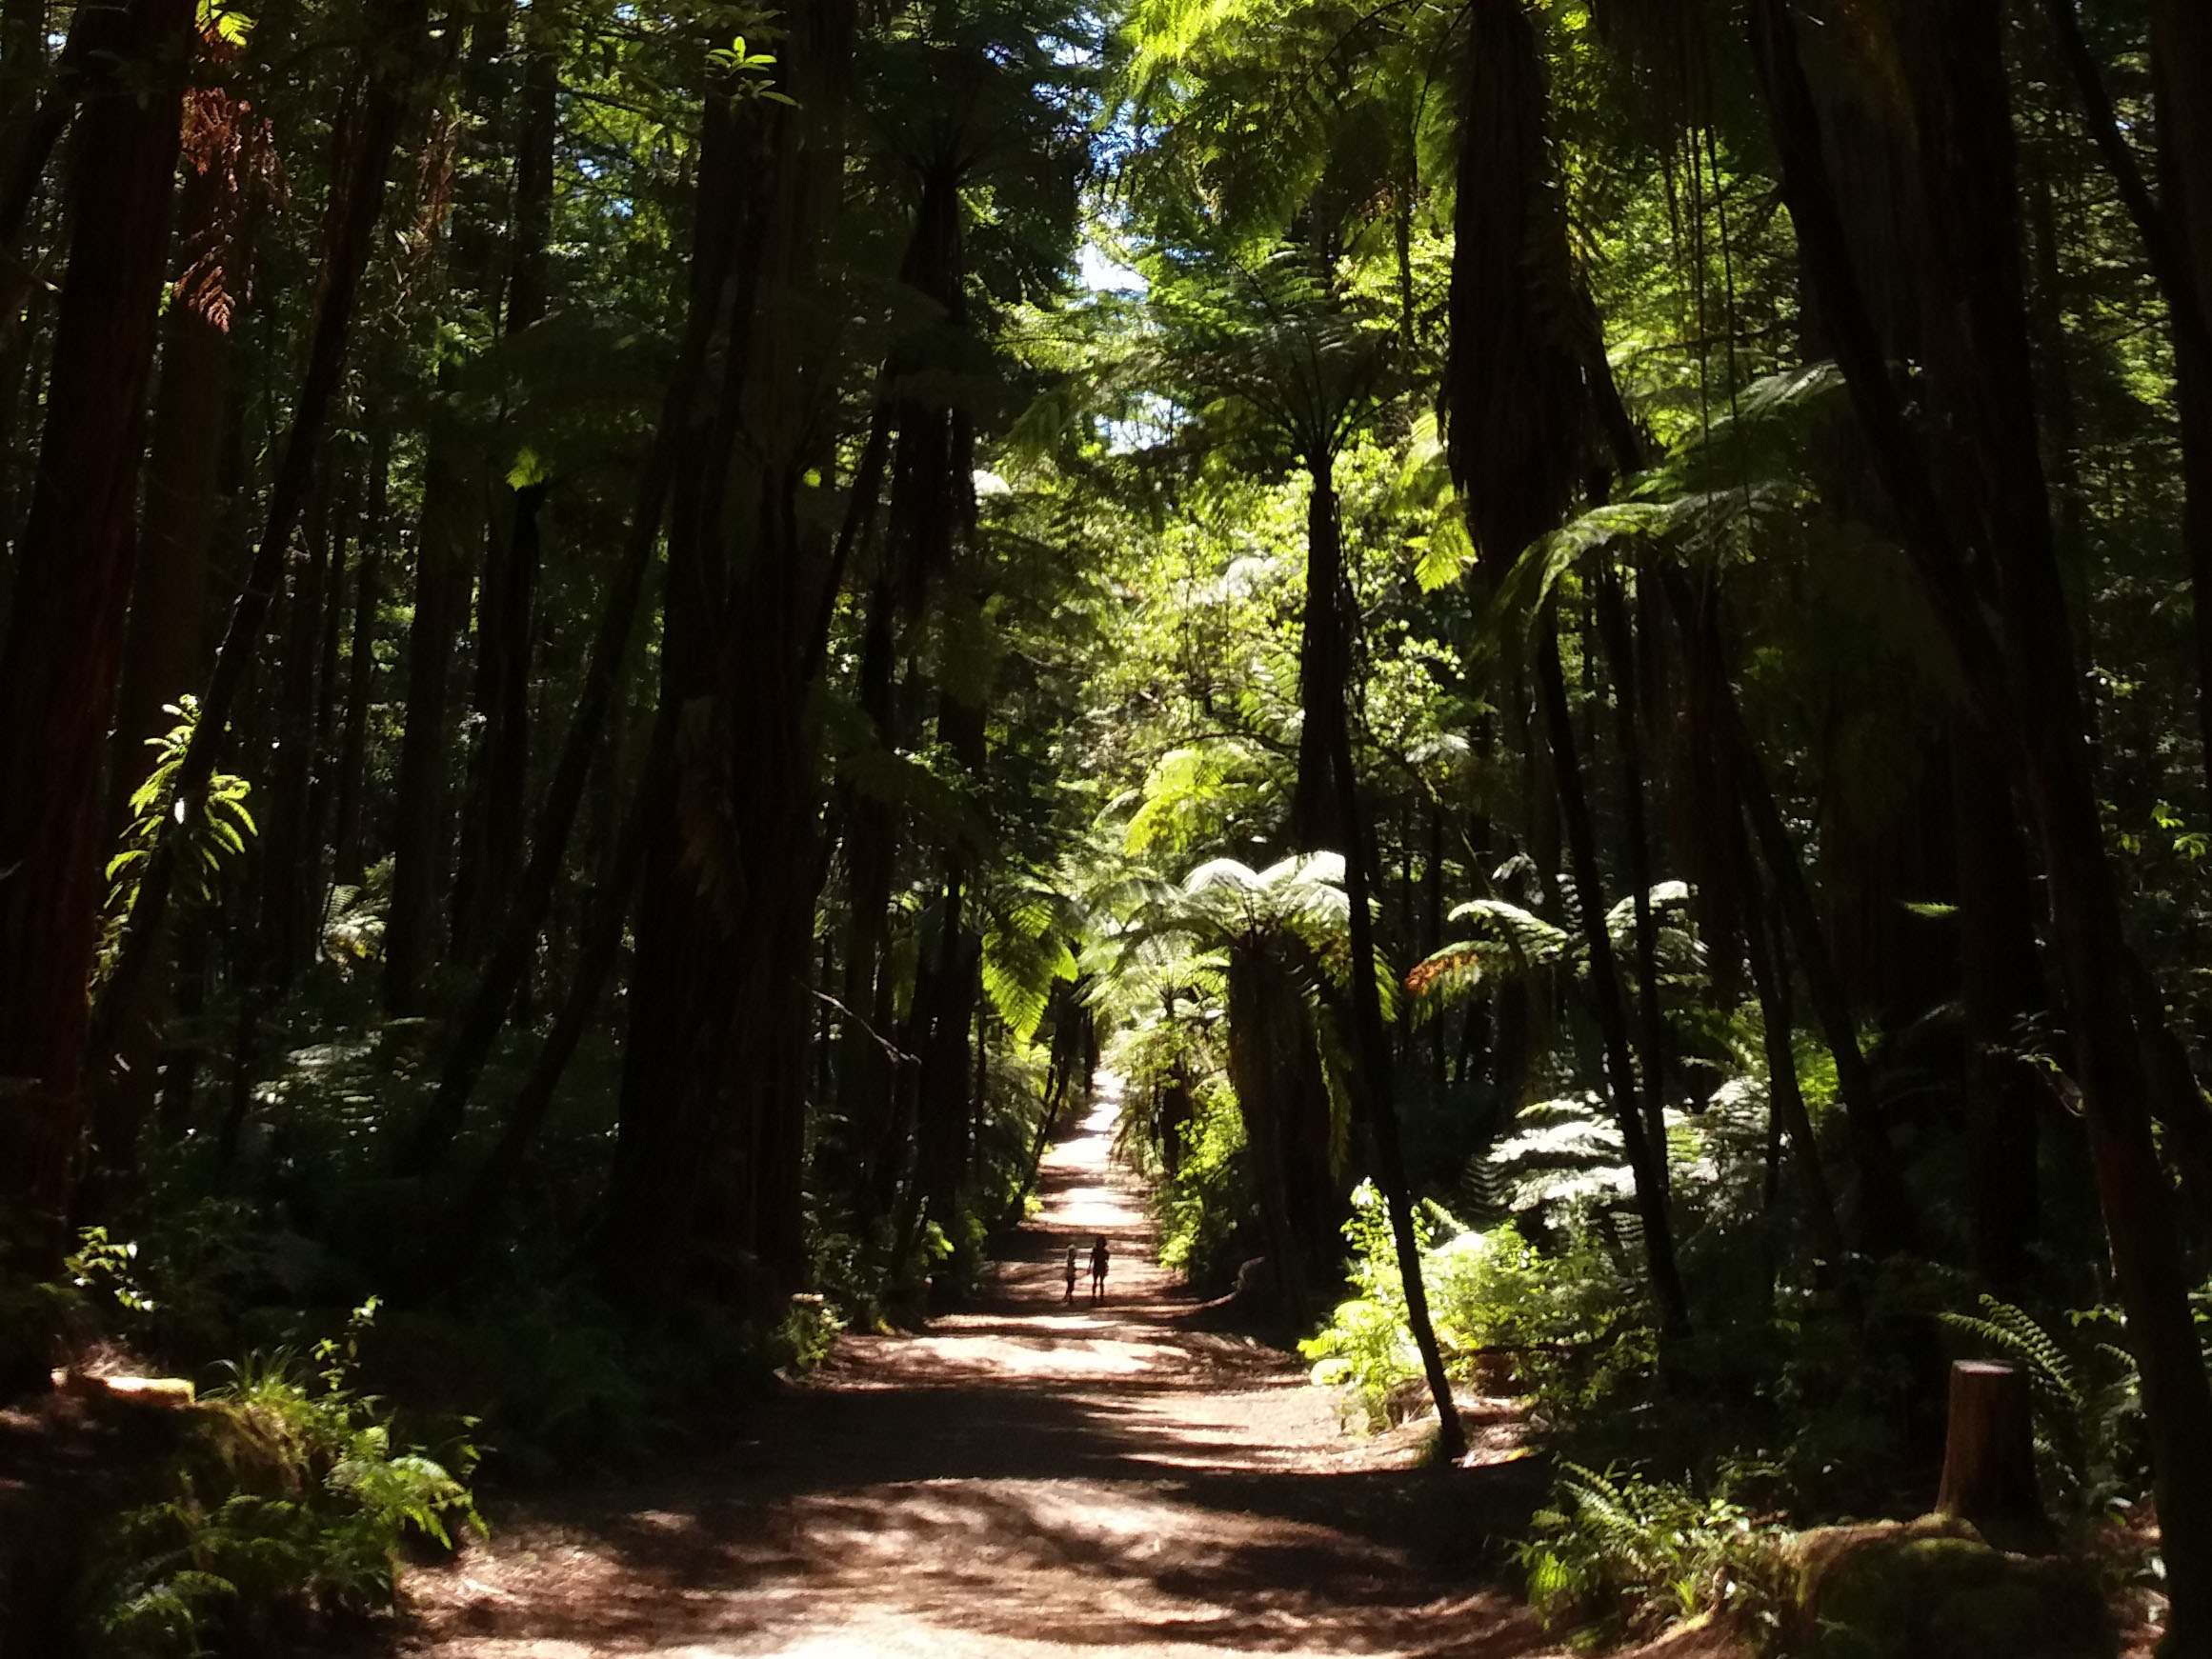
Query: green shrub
[(1631, 1553), (809, 1332), (1367, 1347), (1564, 1329), (1202, 1207), (289, 1502)]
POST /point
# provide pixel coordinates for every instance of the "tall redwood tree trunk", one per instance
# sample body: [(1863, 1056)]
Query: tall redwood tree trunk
[(498, 803), (166, 649), (59, 660), (1985, 545), (1990, 476), (706, 1185)]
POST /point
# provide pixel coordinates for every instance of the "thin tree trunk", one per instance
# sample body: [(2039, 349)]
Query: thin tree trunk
[(499, 770), (947, 987), (1328, 661), (943, 1144), (2054, 363), (444, 570), (1433, 932), (59, 657), (347, 837), (1604, 980), (865, 1079), (1886, 1221), (1788, 1100), (289, 846), (322, 793), (2000, 986), (1651, 1030), (601, 945)]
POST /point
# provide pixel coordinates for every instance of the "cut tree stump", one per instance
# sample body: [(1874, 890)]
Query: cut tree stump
[(1989, 1454)]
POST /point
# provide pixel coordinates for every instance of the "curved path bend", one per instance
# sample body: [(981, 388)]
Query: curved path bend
[(1026, 1478)]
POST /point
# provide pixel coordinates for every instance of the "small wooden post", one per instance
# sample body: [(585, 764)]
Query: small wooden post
[(1989, 1455)]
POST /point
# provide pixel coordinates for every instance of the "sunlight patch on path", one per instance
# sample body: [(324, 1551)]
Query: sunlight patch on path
[(1088, 1207), (1023, 1478)]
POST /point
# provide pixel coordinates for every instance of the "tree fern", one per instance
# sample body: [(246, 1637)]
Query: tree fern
[(1504, 943), (1624, 1548), (1025, 953)]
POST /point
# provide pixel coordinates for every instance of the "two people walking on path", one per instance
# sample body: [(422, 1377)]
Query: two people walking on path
[(1098, 1262)]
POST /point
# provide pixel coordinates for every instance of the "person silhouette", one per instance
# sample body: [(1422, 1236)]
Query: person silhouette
[(1098, 1267), (1070, 1295)]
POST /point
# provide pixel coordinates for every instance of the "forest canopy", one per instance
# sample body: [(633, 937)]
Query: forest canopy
[(636, 639)]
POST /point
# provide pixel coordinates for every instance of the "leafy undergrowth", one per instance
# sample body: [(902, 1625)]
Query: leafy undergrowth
[(1617, 1552), (287, 1507), (1554, 1326), (277, 1507), (1706, 1478)]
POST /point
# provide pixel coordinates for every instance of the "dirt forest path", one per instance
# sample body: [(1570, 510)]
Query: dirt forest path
[(1027, 1478)]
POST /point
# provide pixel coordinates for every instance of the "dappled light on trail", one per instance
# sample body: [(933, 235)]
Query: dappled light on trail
[(1024, 1478)]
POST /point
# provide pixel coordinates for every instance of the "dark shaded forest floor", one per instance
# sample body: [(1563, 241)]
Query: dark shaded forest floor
[(1025, 1478)]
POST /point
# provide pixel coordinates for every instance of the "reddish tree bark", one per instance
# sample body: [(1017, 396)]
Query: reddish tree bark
[(705, 1192), (349, 222), (166, 648), (1983, 549), (496, 819), (59, 660)]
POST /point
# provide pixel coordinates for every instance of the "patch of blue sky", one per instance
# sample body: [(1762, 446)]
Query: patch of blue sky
[(1101, 273)]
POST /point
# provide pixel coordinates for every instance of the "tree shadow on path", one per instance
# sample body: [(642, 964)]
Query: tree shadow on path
[(1025, 1477)]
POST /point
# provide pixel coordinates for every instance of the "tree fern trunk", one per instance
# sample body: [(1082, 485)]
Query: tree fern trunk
[(864, 1075), (1259, 1042)]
